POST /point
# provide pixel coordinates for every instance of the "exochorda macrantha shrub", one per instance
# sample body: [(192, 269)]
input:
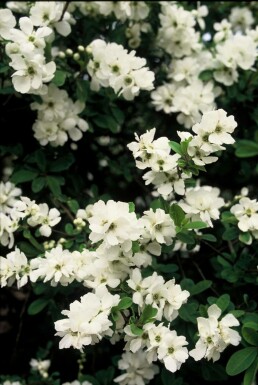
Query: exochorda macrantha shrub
[(115, 275)]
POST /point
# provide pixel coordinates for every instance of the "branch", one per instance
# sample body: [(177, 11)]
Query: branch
[(64, 10)]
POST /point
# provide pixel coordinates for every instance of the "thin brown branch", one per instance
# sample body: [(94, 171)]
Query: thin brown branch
[(64, 10)]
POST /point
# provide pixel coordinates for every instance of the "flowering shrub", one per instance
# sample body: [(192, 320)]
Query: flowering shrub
[(128, 214)]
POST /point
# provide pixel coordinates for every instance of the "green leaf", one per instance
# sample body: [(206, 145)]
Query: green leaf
[(213, 372), (131, 207), (62, 163), (245, 238), (148, 314), (59, 78), (228, 217), (124, 303), (188, 312), (195, 225), (136, 330), (40, 159), (230, 234), (73, 205), (38, 184), (250, 373), (3, 69), (28, 249), (156, 204), (23, 176), (246, 148), (168, 268), (118, 115), (54, 185), (37, 306), (106, 121), (251, 325), (186, 237), (82, 90), (177, 214), (250, 335), (206, 75), (241, 360), (200, 287), (223, 301), (69, 229), (40, 288), (176, 147), (209, 237), (6, 90)]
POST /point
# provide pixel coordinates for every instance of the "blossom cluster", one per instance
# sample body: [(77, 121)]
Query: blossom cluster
[(112, 66), (87, 321), (202, 203), (214, 129), (215, 335), (26, 51), (122, 9), (135, 12), (246, 213), (58, 118), (156, 155), (186, 93), (15, 208), (166, 297)]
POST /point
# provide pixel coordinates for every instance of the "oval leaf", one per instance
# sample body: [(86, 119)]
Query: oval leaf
[(37, 306), (241, 360)]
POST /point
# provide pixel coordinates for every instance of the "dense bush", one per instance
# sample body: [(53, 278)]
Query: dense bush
[(128, 211)]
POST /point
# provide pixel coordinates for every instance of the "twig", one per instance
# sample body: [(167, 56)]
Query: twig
[(203, 277), (64, 10), (18, 336)]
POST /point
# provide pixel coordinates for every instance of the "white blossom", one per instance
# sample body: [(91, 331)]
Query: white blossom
[(8, 196), (202, 203), (87, 320), (112, 66), (215, 335), (7, 22), (137, 369), (14, 267)]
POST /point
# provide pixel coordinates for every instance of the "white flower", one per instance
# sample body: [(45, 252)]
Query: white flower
[(7, 22), (215, 335), (28, 39), (158, 226), (58, 118), (31, 72), (41, 366), (163, 96), (177, 35), (48, 13), (57, 266), (215, 128), (8, 225), (241, 18), (172, 351), (112, 66), (46, 218), (8, 196), (87, 320), (246, 211), (138, 371), (113, 223), (202, 203), (14, 267), (146, 147)]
